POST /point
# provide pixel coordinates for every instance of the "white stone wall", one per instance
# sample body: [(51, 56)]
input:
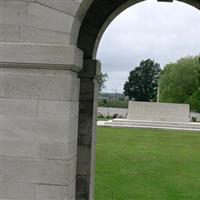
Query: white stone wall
[(40, 21), (39, 98), (151, 111), (39, 120)]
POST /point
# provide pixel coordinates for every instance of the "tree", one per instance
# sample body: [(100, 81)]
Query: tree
[(142, 82), (180, 82), (194, 101), (101, 79)]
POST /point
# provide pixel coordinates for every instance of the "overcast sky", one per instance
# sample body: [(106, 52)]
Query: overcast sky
[(164, 32)]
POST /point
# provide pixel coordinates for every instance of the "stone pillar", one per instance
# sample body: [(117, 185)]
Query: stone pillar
[(87, 130), (39, 101)]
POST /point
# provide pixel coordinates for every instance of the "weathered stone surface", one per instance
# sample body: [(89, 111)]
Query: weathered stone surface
[(43, 17), (13, 12), (166, 112), (70, 6), (87, 130), (18, 107), (39, 86), (34, 35), (46, 150), (65, 56), (63, 108), (55, 192), (28, 170), (51, 192), (38, 131), (10, 33), (40, 128), (18, 191)]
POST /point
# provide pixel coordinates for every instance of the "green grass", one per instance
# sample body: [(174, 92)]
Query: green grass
[(143, 164)]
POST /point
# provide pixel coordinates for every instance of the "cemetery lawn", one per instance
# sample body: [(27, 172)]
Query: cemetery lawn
[(147, 164)]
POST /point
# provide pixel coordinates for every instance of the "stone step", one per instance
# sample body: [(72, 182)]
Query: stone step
[(150, 124), (155, 125), (154, 122)]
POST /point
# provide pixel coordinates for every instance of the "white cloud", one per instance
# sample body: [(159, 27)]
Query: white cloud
[(161, 31)]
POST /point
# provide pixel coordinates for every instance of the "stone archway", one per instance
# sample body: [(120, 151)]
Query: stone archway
[(96, 20), (40, 57)]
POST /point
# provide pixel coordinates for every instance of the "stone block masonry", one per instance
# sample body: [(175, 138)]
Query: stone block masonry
[(39, 122), (166, 112), (39, 98)]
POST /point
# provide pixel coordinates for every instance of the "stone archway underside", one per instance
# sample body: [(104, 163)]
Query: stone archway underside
[(97, 18)]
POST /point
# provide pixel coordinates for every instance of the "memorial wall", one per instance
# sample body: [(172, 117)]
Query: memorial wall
[(165, 112)]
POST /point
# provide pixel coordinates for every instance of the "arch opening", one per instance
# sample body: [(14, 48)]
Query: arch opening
[(99, 15)]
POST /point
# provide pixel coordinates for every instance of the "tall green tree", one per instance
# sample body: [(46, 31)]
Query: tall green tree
[(180, 82), (142, 82)]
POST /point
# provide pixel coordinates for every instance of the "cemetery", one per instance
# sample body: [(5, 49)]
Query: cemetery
[(48, 110), (155, 115)]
